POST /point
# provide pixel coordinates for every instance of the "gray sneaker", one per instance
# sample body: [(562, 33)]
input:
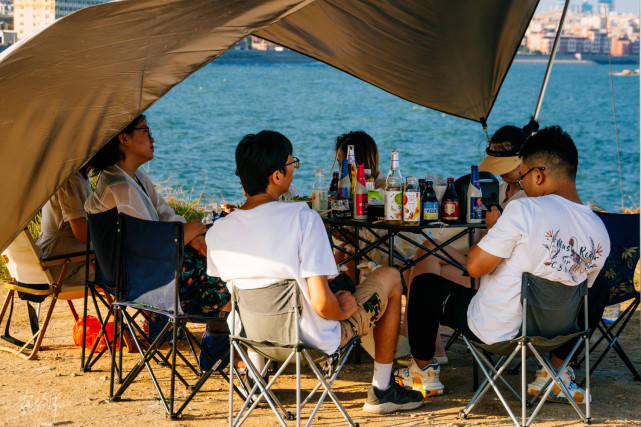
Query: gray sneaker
[(395, 398)]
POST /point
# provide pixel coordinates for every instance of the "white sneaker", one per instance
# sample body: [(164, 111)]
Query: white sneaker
[(424, 380), (557, 395)]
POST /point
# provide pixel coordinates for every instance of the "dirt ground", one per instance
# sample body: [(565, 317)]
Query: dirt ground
[(52, 391)]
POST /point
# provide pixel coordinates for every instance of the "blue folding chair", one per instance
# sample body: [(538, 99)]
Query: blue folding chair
[(149, 259), (615, 284)]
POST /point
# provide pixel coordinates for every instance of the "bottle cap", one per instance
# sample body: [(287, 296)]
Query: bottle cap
[(450, 179)]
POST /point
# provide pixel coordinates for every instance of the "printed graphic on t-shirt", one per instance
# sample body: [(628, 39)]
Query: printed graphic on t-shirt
[(570, 257)]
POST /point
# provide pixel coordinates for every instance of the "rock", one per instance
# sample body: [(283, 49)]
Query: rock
[(104, 378), (73, 374)]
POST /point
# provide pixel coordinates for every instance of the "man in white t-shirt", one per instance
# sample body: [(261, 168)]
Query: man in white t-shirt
[(550, 234), (266, 241)]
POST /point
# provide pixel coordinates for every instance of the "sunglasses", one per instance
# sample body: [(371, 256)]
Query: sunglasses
[(519, 181)]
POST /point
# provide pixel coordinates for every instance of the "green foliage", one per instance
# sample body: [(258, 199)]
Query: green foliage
[(188, 209)]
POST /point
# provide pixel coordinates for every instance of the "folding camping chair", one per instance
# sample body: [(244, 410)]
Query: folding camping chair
[(102, 235), (268, 320), (147, 277), (617, 277), (550, 319), (33, 280)]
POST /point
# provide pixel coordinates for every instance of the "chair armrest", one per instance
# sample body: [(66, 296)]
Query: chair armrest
[(61, 259)]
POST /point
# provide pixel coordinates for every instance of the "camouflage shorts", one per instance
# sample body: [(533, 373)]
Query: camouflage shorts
[(371, 296)]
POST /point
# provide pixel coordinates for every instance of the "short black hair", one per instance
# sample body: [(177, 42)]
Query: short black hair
[(512, 138), (258, 156), (110, 153), (554, 148)]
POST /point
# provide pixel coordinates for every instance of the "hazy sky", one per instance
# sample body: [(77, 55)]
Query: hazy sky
[(622, 6)]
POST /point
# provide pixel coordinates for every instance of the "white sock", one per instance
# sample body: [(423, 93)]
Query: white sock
[(382, 375), (257, 360)]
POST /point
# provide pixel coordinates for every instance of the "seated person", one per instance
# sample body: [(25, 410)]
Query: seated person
[(365, 151), (121, 184), (64, 225), (550, 234), (266, 241), (502, 160)]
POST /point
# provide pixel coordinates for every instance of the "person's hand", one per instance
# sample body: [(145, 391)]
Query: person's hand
[(229, 207), (491, 217), (347, 303), (199, 244), (192, 229)]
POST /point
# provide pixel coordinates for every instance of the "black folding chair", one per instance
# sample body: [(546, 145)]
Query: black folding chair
[(616, 281), (149, 258)]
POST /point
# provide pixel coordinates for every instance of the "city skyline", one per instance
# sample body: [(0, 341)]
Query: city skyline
[(621, 6)]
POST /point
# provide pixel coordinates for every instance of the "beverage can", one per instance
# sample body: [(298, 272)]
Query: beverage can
[(393, 205)]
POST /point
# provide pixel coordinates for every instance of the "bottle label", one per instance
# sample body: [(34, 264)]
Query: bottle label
[(430, 211), (476, 209), (393, 205), (450, 210), (412, 206), (360, 206)]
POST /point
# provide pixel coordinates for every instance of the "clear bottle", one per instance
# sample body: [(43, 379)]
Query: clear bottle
[(429, 202), (319, 192), (370, 184), (360, 195), (450, 203), (394, 192), (351, 162), (411, 202), (474, 198)]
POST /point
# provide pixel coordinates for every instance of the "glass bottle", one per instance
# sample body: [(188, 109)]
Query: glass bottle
[(333, 186), (319, 192), (344, 184), (450, 203), (394, 192), (351, 163), (360, 195), (411, 202), (474, 198), (429, 202)]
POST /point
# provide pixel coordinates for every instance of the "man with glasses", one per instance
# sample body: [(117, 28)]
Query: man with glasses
[(266, 241), (550, 234)]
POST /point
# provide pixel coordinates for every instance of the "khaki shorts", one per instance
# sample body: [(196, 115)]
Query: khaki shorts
[(371, 296)]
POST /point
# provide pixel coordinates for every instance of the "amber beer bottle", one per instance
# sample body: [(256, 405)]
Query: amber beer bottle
[(450, 203)]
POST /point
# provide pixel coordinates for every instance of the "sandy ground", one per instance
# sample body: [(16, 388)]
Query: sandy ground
[(52, 391)]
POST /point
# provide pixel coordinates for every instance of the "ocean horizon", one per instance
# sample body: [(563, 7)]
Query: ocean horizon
[(198, 124)]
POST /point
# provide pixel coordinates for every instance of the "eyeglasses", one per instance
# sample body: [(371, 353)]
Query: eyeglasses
[(519, 181), (295, 162), (145, 129)]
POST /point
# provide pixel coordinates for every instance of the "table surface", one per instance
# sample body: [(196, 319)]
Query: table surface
[(382, 225)]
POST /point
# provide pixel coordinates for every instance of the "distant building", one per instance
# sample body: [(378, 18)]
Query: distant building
[(606, 4), (621, 46), (30, 16), (65, 7), (8, 37)]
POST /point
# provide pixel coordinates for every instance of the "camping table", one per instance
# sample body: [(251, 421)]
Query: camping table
[(349, 229), (385, 233)]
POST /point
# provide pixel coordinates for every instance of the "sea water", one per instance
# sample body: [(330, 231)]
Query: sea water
[(198, 124)]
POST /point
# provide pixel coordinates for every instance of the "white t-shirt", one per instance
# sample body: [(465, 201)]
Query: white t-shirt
[(550, 237), (272, 242)]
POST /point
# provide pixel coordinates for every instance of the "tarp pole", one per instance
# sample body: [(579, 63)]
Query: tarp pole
[(555, 47)]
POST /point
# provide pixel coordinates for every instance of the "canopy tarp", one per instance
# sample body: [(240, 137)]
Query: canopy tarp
[(65, 91)]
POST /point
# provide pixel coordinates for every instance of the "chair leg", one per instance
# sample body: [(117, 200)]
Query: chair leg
[(84, 329), (298, 407), (43, 328), (72, 308)]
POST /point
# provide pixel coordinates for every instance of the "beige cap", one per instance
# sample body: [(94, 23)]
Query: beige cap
[(499, 165)]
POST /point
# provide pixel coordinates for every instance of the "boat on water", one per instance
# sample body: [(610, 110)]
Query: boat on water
[(626, 72)]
